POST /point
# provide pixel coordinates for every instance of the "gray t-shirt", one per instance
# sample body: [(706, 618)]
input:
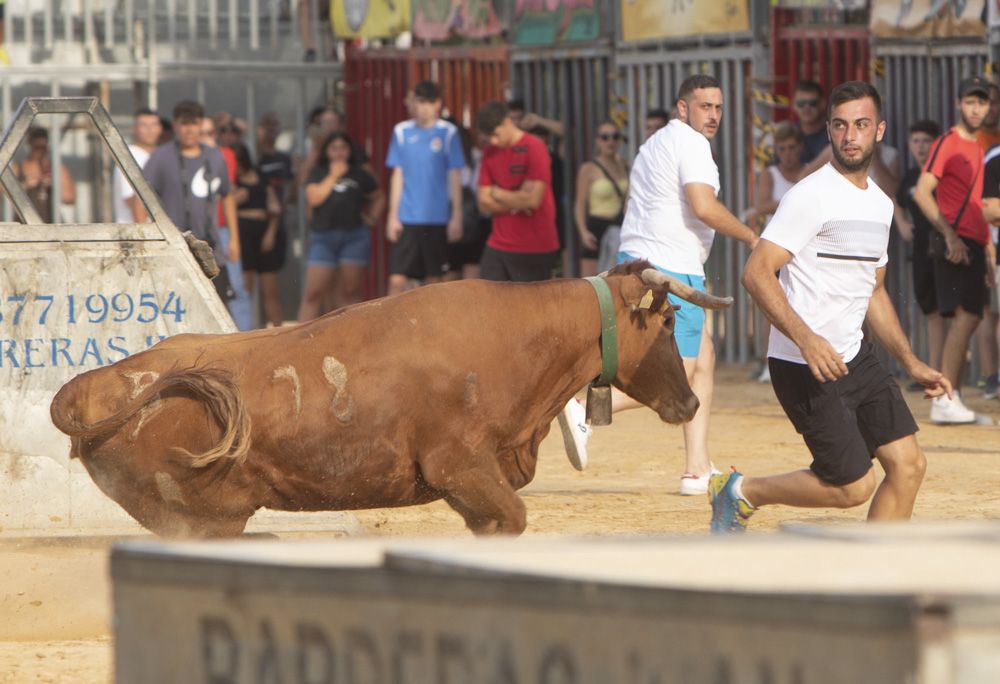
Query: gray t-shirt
[(206, 179)]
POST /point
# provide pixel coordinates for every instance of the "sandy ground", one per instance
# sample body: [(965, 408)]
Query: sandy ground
[(55, 595)]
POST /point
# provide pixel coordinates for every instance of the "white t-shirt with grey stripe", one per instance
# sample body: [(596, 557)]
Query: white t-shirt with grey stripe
[(838, 235)]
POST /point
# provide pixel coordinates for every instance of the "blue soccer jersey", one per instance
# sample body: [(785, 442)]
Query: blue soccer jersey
[(425, 155)]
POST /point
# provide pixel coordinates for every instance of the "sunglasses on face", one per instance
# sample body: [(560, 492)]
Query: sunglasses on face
[(807, 103), (609, 136)]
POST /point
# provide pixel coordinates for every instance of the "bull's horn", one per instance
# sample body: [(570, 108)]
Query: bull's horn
[(651, 276)]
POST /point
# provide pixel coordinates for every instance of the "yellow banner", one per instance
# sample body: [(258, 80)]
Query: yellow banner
[(927, 18), (651, 19), (369, 18)]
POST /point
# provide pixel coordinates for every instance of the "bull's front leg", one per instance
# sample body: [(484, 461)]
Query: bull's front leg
[(475, 487)]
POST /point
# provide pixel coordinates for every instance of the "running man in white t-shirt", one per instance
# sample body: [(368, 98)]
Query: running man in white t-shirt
[(670, 220), (828, 239)]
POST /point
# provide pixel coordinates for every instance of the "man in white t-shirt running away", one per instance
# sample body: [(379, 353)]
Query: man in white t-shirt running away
[(146, 130), (671, 220), (828, 239)]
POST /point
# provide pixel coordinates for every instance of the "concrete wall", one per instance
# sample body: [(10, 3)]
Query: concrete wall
[(775, 609)]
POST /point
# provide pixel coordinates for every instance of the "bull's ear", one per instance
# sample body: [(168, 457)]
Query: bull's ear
[(647, 300)]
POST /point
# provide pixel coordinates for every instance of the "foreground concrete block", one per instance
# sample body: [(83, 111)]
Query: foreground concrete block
[(878, 605)]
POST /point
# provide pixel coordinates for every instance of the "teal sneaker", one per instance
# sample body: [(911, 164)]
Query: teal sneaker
[(729, 512)]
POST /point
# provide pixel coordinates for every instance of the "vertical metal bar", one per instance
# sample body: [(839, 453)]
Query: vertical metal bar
[(29, 31), (251, 137), (109, 24), (255, 25), (234, 26), (47, 26), (55, 138), (299, 239), (130, 23), (273, 21), (88, 26), (199, 92), (635, 114), (152, 35), (172, 25), (8, 210), (742, 166), (213, 23), (192, 22)]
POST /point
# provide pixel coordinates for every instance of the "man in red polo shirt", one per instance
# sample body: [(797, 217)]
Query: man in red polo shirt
[(955, 171), (515, 187)]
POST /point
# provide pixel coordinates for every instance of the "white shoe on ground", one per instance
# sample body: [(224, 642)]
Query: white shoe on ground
[(765, 375), (945, 411), (575, 432), (694, 485)]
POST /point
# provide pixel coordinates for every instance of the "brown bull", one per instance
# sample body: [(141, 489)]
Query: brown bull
[(441, 392)]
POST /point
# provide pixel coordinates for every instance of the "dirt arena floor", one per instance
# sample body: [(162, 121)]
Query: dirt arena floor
[(54, 596)]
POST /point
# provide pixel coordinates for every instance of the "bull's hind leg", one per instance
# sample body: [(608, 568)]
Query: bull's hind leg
[(483, 497)]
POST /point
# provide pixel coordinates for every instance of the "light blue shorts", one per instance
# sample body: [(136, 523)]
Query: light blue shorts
[(689, 321), (336, 247)]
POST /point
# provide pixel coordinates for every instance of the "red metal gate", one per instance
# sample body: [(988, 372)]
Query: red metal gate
[(818, 45), (376, 85)]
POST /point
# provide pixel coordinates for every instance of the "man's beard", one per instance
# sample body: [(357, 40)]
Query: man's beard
[(968, 126), (852, 165)]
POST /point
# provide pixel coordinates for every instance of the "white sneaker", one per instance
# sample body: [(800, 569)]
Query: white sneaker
[(765, 375), (575, 432), (945, 411), (694, 485)]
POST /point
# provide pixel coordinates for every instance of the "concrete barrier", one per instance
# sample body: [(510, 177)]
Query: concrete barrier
[(78, 297), (874, 605), (74, 298)]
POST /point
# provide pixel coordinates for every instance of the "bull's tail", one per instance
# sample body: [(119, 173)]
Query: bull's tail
[(215, 388)]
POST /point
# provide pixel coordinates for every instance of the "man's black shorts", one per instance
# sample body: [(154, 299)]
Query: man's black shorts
[(844, 421), (962, 285), (518, 267), (421, 252)]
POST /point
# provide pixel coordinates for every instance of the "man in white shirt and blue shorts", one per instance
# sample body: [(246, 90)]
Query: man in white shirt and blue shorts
[(671, 220), (827, 241)]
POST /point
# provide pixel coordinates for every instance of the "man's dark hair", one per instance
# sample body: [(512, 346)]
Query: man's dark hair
[(855, 90), (927, 126), (696, 82), (807, 86), (658, 113), (146, 111), (188, 110), (490, 116), (428, 91), (517, 104), (37, 133)]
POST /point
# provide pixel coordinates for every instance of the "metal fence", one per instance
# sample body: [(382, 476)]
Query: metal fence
[(919, 81), (377, 82), (39, 25), (650, 78), (571, 85)]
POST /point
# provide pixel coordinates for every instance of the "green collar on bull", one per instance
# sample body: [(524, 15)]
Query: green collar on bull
[(609, 333)]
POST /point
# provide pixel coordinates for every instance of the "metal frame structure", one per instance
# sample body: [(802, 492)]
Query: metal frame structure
[(90, 106)]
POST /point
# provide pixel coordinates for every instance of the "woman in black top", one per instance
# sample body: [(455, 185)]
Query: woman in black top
[(262, 240), (345, 200)]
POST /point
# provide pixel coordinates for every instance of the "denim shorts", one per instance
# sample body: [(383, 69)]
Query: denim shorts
[(689, 321), (337, 247)]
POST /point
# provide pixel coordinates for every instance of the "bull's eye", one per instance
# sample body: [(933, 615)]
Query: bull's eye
[(668, 321)]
